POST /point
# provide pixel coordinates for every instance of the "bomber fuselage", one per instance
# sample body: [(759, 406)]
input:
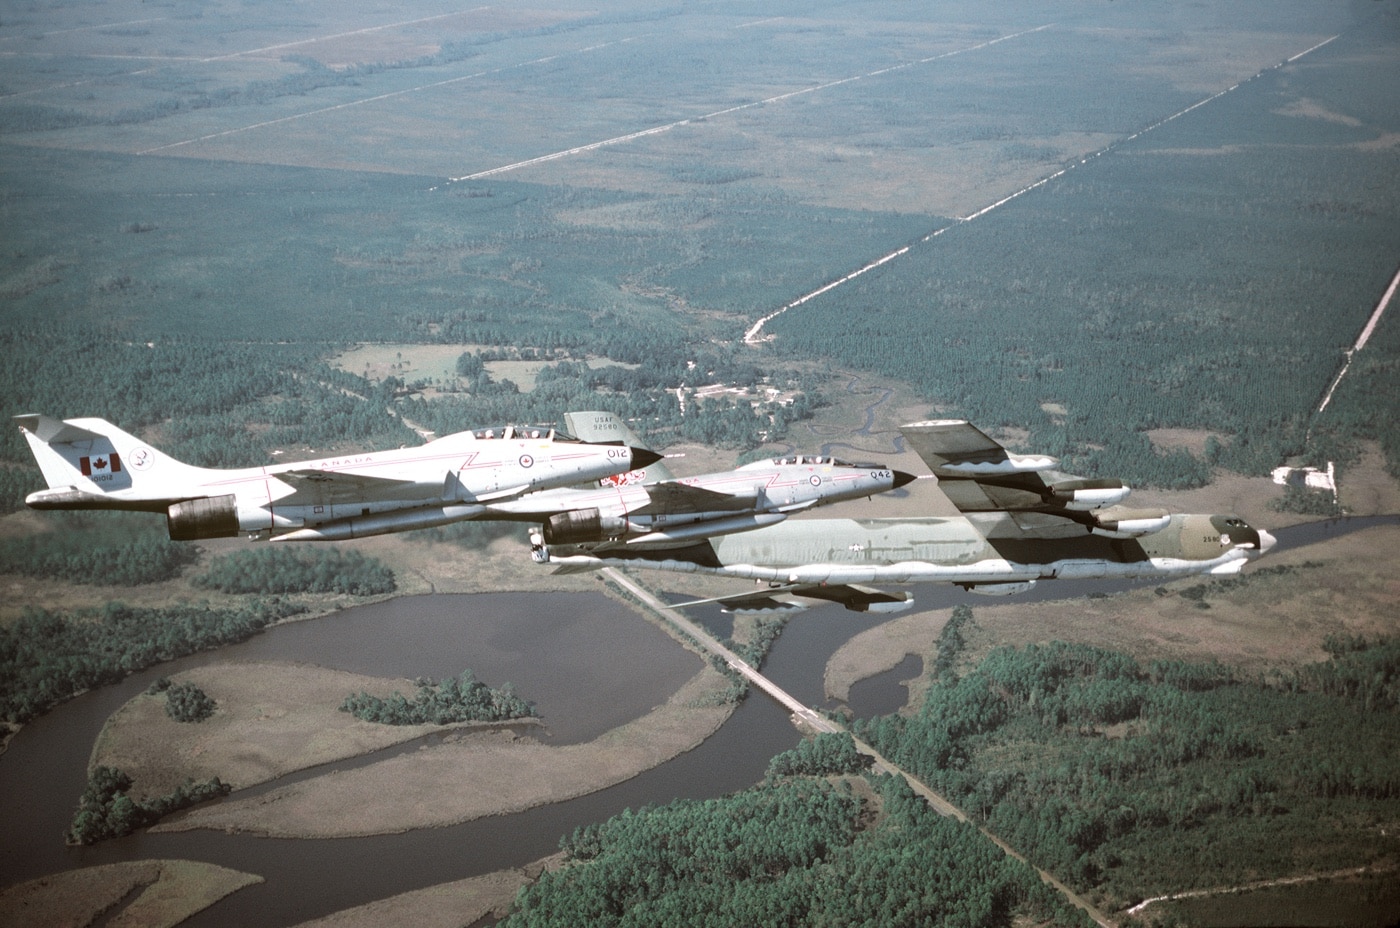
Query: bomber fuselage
[(950, 550)]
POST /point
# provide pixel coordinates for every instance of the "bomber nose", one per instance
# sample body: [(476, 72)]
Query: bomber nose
[(1266, 541), (901, 478), (643, 457)]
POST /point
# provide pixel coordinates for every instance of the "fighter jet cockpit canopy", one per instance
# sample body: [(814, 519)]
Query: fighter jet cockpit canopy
[(811, 460), (543, 432)]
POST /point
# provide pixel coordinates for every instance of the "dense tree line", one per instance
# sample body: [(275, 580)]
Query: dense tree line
[(763, 632), (116, 549), (1308, 502), (1362, 671), (47, 657), (280, 569), (106, 810), (1090, 763), (950, 642), (455, 699), (753, 649), (771, 855), (825, 754), (1354, 414)]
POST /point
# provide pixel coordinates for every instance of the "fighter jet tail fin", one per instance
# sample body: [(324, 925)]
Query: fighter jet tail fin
[(92, 464), (598, 427)]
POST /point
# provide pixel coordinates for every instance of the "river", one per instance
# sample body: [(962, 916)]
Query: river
[(589, 664)]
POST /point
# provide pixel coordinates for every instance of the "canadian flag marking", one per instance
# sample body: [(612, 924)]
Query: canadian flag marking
[(102, 465)]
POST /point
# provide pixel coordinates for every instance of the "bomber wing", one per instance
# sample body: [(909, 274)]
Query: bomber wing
[(1022, 496), (854, 597)]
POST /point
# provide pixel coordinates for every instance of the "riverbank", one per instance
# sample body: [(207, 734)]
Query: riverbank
[(447, 905), (272, 719)]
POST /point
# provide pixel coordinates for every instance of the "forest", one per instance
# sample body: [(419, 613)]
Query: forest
[(770, 855), (1134, 779), (47, 657), (282, 569), (1149, 287), (1127, 780), (107, 549)]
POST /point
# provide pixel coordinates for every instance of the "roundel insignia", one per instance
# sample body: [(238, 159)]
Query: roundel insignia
[(140, 459), (526, 461), (815, 480)]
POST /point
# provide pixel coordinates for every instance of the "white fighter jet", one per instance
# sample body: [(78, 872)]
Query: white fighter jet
[(92, 464), (652, 508)]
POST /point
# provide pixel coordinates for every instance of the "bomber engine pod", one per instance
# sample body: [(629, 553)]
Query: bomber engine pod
[(1084, 495), (999, 589), (206, 517), (1129, 523), (581, 526)]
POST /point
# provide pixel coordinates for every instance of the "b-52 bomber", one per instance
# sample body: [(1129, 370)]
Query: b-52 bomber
[(651, 508), (92, 464), (1021, 521)]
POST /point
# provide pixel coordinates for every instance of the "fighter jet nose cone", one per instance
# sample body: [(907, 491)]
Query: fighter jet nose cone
[(1266, 541), (642, 457), (901, 478)]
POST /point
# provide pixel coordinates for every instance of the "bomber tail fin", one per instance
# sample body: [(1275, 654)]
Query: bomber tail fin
[(604, 427), (92, 464)]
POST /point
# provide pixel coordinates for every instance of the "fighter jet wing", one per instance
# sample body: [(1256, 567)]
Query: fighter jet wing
[(672, 498), (333, 486)]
